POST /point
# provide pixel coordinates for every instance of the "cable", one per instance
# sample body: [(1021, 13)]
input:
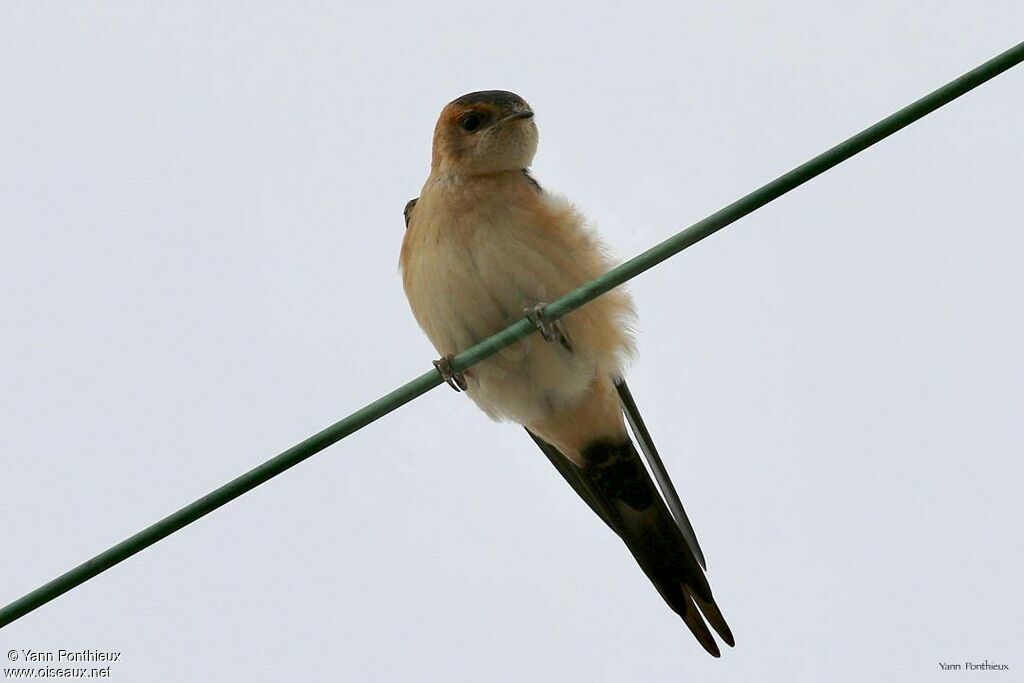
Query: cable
[(511, 334)]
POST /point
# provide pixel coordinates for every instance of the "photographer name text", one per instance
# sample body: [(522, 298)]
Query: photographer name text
[(66, 656)]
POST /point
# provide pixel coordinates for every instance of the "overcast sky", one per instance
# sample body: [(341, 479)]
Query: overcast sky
[(200, 217)]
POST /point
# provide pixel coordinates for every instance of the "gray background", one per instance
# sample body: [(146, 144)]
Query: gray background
[(201, 215)]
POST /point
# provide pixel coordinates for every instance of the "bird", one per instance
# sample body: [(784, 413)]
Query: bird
[(486, 245)]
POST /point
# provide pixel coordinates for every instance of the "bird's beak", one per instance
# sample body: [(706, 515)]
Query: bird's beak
[(518, 116)]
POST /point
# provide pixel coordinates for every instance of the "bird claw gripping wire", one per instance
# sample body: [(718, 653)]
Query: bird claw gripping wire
[(551, 330), (456, 380)]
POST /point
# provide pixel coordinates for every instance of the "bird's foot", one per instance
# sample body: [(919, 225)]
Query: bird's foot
[(551, 330), (456, 380)]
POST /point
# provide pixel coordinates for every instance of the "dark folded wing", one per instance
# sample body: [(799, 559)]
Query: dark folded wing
[(650, 453), (407, 212), (572, 475)]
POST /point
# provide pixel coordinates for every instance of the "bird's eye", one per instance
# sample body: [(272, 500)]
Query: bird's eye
[(470, 122)]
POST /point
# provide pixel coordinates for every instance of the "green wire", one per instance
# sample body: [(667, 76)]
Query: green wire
[(511, 334)]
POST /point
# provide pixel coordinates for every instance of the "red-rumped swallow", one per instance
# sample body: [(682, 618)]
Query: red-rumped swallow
[(484, 244)]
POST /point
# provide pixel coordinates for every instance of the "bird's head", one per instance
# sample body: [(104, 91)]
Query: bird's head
[(484, 132)]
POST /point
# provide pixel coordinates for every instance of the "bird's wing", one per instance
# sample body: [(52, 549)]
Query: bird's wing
[(407, 212), (616, 485), (650, 453), (531, 180), (571, 473)]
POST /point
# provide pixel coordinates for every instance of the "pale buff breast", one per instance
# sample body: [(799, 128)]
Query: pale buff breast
[(476, 255)]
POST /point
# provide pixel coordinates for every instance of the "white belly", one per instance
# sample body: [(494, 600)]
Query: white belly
[(464, 290)]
